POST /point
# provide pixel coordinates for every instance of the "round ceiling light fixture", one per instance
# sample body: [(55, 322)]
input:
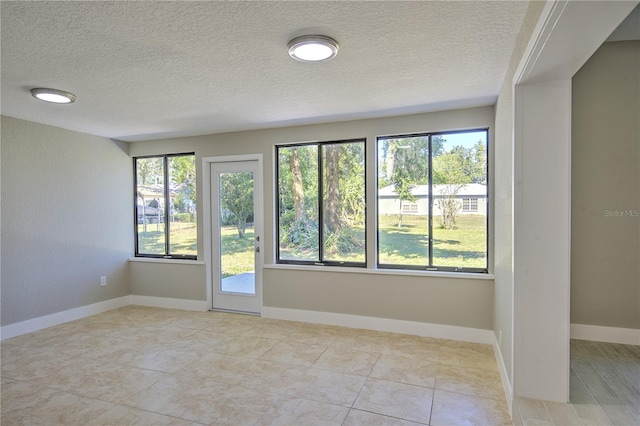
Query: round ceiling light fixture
[(313, 48), (53, 95)]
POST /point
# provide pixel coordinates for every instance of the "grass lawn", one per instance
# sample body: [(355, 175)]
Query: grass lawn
[(463, 246), (237, 252), (183, 238)]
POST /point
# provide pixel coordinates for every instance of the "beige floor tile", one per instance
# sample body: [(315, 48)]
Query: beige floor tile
[(398, 367), (470, 381), (218, 367), (202, 341), (50, 407), (273, 330), (415, 346), (298, 411), (121, 415), (457, 409), (269, 376), (231, 325), (204, 401), (465, 354), (294, 353), (360, 418), (169, 359), (311, 337), (17, 394), (327, 386), (195, 320), (247, 346), (113, 383), (35, 365), (367, 341), (159, 366), (347, 361), (398, 400)]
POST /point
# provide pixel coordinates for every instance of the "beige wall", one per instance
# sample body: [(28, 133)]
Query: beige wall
[(503, 163), (173, 280), (605, 279), (66, 219), (452, 301)]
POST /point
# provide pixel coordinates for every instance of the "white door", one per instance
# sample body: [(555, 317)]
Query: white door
[(236, 240)]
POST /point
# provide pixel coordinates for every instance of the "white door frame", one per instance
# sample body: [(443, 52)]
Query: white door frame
[(206, 220), (567, 34)]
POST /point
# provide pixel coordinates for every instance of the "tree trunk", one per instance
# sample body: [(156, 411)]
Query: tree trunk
[(242, 226), (298, 191), (332, 205)]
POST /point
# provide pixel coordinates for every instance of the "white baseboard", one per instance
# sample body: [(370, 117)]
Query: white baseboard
[(169, 303), (35, 324), (504, 376), (440, 331), (596, 333)]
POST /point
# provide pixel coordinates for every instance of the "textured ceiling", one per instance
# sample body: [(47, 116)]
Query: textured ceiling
[(146, 70)]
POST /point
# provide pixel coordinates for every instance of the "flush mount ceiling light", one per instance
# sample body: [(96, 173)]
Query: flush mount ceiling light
[(313, 48), (53, 95)]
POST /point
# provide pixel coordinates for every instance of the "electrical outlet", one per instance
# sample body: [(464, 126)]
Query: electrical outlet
[(103, 281)]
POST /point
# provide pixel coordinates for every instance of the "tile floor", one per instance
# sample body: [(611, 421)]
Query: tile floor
[(139, 365), (605, 389)]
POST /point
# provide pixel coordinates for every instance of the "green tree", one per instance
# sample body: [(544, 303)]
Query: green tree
[(332, 188), (149, 170), (407, 166), (451, 173), (236, 196)]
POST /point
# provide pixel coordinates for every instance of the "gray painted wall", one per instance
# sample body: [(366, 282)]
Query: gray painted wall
[(503, 187), (66, 219), (605, 279), (451, 301)]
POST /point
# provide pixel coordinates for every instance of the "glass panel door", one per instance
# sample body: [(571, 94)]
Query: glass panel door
[(236, 241)]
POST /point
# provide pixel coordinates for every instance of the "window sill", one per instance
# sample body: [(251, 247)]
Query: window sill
[(396, 272), (158, 260)]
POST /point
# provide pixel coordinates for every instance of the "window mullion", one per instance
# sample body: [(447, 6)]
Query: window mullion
[(167, 234), (320, 206), (430, 192)]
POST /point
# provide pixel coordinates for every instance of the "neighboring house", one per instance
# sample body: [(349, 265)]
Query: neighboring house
[(472, 199)]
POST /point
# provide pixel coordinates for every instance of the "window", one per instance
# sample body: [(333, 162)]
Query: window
[(469, 204), (442, 175), (409, 208), (321, 203), (165, 206)]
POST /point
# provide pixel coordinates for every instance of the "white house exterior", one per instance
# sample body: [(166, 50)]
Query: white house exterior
[(472, 199)]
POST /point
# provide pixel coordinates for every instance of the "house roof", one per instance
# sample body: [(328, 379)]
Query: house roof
[(473, 189), (150, 70)]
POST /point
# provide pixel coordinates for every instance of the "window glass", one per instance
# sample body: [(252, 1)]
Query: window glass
[(432, 201), (298, 203), (343, 196), (403, 205), (150, 205), (459, 171), (182, 205), (321, 203), (166, 206)]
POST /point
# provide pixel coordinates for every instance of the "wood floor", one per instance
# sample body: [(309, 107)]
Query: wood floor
[(605, 389)]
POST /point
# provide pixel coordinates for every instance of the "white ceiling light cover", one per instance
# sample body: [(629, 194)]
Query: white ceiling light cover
[(313, 48), (53, 95)]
